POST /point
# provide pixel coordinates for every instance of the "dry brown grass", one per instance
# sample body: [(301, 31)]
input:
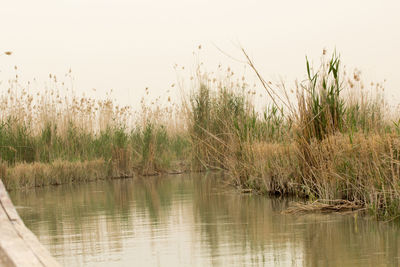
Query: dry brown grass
[(321, 205), (364, 170), (24, 175)]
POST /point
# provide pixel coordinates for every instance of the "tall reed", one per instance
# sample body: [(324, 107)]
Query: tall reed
[(335, 142)]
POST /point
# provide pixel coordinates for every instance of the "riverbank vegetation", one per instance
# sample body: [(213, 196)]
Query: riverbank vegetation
[(329, 139), (50, 138)]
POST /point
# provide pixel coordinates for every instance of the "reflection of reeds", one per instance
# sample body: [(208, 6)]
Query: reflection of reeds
[(225, 227)]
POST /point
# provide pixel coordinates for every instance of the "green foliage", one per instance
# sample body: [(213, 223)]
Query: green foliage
[(16, 143), (151, 147), (321, 107)]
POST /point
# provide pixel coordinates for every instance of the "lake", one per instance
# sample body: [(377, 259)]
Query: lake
[(195, 220)]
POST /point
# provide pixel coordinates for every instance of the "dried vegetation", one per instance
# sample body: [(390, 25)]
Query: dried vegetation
[(331, 139)]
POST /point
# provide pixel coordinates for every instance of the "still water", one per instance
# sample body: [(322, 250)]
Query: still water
[(194, 220)]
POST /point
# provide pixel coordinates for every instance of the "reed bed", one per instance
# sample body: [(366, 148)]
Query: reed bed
[(44, 132), (329, 138)]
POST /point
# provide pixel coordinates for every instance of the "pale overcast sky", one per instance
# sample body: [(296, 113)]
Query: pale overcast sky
[(129, 45)]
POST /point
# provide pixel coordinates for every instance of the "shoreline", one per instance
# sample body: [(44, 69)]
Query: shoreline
[(71, 170)]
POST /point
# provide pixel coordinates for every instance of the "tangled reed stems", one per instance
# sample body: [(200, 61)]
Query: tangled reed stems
[(330, 139)]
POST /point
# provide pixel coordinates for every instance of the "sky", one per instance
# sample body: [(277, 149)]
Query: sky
[(130, 45)]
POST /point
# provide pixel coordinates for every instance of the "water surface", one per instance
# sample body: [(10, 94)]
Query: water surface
[(194, 220)]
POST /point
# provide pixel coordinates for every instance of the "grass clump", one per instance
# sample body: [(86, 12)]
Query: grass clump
[(58, 172), (225, 128), (320, 108), (219, 119), (332, 142)]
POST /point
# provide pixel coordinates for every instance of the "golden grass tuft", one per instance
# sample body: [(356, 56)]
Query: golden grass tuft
[(24, 175)]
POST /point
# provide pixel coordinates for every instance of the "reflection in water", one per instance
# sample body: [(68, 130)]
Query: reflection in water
[(195, 221)]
